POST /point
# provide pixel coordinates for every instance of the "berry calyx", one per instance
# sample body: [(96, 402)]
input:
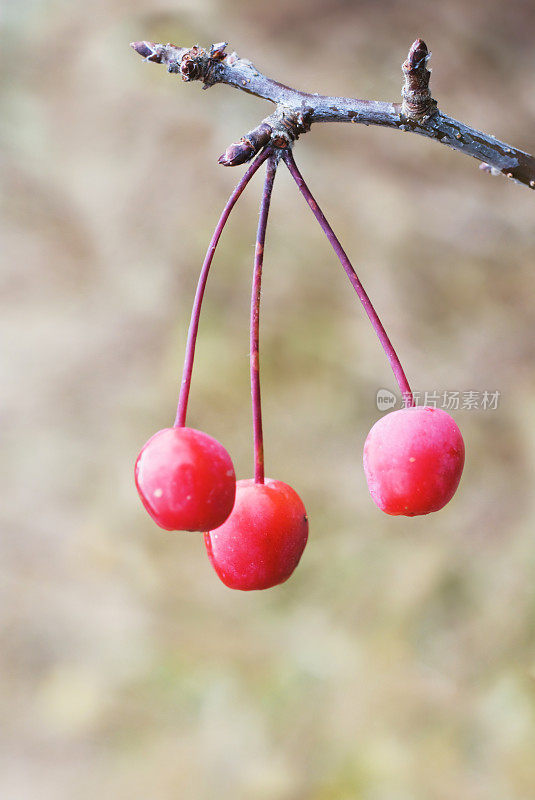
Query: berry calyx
[(260, 544), (413, 460), (186, 480)]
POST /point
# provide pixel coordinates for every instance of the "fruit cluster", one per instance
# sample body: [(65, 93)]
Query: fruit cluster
[(255, 530)]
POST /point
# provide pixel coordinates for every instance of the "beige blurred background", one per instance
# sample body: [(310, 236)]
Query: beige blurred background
[(398, 663)]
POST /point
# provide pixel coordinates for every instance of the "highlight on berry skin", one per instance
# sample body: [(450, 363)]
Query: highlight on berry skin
[(413, 460), (185, 479)]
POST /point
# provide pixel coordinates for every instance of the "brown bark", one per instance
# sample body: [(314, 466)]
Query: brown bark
[(296, 111)]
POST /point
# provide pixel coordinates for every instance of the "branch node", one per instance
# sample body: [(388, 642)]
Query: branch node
[(280, 130), (291, 124), (191, 63), (417, 101)]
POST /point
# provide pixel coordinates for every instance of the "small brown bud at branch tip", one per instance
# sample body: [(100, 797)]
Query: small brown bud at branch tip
[(236, 153), (417, 100), (217, 51), (418, 54), (242, 151), (147, 50)]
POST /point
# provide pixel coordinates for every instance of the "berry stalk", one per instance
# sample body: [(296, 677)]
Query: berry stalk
[(377, 325), (255, 320), (180, 420)]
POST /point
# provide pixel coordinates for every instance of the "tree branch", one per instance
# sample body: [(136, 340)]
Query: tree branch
[(296, 111)]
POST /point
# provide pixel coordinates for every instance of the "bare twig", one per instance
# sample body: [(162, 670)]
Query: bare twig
[(296, 110)]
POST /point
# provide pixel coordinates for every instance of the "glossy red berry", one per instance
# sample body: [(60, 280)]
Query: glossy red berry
[(186, 480), (262, 541), (413, 460)]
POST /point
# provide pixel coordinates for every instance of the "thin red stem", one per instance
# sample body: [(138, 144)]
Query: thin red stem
[(255, 320), (391, 354), (180, 420)]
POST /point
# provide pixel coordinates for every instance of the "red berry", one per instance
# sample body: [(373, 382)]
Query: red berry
[(413, 460), (186, 480), (262, 541)]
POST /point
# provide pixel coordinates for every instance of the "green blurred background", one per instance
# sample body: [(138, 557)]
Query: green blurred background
[(398, 663)]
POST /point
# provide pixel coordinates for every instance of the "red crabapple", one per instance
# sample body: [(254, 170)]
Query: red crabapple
[(185, 479), (260, 544), (413, 460)]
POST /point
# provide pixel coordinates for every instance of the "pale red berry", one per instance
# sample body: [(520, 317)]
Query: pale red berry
[(413, 460), (185, 479), (261, 542)]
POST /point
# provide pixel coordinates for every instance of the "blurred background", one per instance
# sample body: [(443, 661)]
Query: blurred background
[(399, 661)]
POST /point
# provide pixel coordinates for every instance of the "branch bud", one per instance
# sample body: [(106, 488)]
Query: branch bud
[(149, 51), (250, 144), (417, 100), (237, 153)]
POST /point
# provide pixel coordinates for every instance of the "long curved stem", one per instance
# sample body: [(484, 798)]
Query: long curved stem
[(180, 420), (255, 320), (391, 354)]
